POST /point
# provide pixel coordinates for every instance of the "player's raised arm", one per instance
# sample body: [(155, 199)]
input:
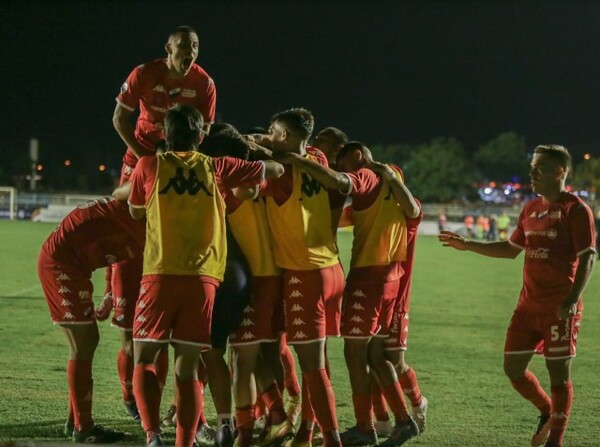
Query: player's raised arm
[(500, 249), (401, 193)]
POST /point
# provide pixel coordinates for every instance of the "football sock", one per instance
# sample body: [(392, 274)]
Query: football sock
[(289, 369), (379, 406), (395, 399), (81, 388), (529, 387), (245, 424), (308, 414), (321, 397), (146, 389), (274, 404), (189, 403), (562, 398), (410, 386), (362, 411), (202, 420), (125, 369)]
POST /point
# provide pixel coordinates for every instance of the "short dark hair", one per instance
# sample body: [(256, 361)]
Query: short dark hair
[(183, 29), (298, 120), (557, 152), (226, 142), (339, 135), (183, 127), (353, 146)]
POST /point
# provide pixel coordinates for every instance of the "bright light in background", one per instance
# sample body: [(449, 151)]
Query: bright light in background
[(102, 168), (587, 156), (67, 163), (39, 167)]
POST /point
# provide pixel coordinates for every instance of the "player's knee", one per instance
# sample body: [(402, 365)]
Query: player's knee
[(512, 371)]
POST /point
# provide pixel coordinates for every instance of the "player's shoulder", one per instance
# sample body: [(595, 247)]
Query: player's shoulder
[(317, 154), (575, 203), (152, 67), (198, 72)]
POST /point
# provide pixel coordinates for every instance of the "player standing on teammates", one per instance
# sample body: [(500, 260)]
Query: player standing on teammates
[(380, 243), (184, 259), (556, 232), (154, 88), (90, 237), (298, 211)]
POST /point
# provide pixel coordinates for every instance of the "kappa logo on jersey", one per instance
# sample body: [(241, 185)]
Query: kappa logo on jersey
[(297, 308), (66, 303), (359, 293), (356, 319), (247, 322), (294, 280), (63, 290), (552, 233), (159, 88), (188, 93), (296, 294), (357, 306), (355, 331), (300, 335), (68, 316), (310, 186), (180, 184), (298, 322), (538, 253), (247, 336), (63, 277), (85, 295)]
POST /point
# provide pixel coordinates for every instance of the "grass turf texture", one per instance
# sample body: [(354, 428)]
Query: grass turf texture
[(461, 306)]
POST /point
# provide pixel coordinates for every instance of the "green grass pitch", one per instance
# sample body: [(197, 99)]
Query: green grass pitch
[(461, 306)]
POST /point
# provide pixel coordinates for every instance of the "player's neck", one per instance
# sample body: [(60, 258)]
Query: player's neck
[(555, 195)]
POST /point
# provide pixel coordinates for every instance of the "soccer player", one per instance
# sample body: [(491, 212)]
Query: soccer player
[(330, 141), (380, 243), (90, 237), (298, 211), (184, 259), (556, 232)]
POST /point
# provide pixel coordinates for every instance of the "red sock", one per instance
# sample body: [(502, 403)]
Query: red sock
[(202, 420), (305, 431), (274, 404), (529, 387), (162, 366), (321, 396), (308, 414), (81, 389), (125, 368), (71, 414), (363, 411), (379, 406), (289, 369), (410, 386), (244, 419), (395, 399), (189, 402), (562, 398), (259, 408), (146, 390)]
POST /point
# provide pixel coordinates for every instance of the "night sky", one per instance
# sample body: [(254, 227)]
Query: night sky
[(384, 72)]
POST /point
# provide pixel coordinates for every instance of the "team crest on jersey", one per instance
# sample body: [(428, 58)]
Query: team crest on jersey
[(124, 88), (551, 233)]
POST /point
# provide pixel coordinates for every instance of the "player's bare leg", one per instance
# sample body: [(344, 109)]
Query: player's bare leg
[(528, 386), (562, 398), (244, 390), (293, 401), (125, 368), (219, 381)]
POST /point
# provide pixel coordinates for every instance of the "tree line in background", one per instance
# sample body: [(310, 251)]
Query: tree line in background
[(441, 171)]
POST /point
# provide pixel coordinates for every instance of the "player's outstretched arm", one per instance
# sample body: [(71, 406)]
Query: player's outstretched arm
[(401, 193), (501, 249), (328, 177), (273, 169), (124, 127), (582, 278), (121, 193)]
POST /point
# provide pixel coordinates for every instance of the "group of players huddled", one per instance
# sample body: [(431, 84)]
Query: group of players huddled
[(218, 240)]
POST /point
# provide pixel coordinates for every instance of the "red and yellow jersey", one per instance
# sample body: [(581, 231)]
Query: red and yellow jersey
[(150, 88), (380, 235), (301, 223), (247, 221)]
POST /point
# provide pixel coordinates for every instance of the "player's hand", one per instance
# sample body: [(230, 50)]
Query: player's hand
[(260, 139), (450, 239), (105, 307), (567, 310)]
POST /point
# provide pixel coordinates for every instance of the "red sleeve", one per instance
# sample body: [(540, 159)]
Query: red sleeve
[(233, 172), (131, 90), (517, 238), (583, 229), (142, 181), (209, 105), (363, 181)]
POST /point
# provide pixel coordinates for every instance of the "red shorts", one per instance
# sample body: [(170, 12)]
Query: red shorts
[(398, 335), (175, 308), (536, 333), (312, 305), (68, 291), (125, 284), (262, 316), (368, 308)]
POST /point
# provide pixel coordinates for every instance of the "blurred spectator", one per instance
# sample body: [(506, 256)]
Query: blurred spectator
[(503, 224), (469, 225), (492, 233), (442, 222)]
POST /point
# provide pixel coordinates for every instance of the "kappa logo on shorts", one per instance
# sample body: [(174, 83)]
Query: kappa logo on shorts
[(359, 293), (247, 322), (63, 277), (63, 290), (248, 309), (68, 316), (66, 303), (142, 290), (140, 319), (300, 335), (247, 336), (142, 305), (294, 280), (297, 308), (121, 302), (357, 306), (295, 294), (85, 295), (356, 331), (298, 322), (356, 319)]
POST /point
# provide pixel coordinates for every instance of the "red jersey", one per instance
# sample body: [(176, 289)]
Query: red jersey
[(412, 227), (96, 234), (150, 88), (553, 235), (229, 172)]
